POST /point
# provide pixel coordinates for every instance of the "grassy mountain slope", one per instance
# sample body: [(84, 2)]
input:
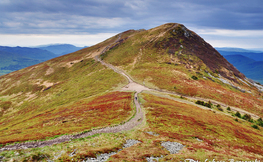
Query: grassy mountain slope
[(74, 93), (174, 58), (50, 87)]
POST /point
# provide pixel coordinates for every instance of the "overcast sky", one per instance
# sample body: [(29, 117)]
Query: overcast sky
[(222, 23)]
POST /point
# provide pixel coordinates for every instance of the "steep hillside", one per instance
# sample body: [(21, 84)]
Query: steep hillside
[(173, 58), (50, 87), (143, 94), (174, 44)]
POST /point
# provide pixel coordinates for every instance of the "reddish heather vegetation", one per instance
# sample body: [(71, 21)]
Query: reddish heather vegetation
[(108, 109), (220, 134)]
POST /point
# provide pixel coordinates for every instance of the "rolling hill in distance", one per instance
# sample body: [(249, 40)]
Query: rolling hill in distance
[(162, 93), (251, 68), (249, 62), (16, 58), (60, 49), (255, 55)]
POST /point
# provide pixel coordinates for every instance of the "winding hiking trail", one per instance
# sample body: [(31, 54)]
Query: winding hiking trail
[(135, 121)]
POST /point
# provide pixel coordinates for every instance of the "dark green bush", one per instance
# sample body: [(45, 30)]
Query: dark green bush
[(238, 114), (208, 104), (194, 77), (228, 108), (199, 102), (251, 120), (255, 126), (246, 117), (260, 122), (220, 109)]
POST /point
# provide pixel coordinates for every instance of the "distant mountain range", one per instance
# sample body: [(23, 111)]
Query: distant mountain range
[(231, 49), (16, 58), (248, 62), (60, 49)]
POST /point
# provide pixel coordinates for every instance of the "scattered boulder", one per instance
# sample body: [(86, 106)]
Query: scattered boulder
[(172, 147)]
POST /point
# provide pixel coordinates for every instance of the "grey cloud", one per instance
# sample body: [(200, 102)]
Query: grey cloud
[(94, 16)]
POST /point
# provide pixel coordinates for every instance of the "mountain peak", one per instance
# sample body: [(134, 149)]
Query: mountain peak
[(183, 43)]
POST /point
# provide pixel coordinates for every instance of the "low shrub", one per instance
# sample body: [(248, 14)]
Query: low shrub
[(220, 109), (255, 126), (208, 104), (260, 122), (251, 120), (194, 77), (237, 114), (228, 108), (246, 117), (200, 102)]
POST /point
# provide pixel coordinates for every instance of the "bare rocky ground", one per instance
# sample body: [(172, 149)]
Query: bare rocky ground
[(172, 147)]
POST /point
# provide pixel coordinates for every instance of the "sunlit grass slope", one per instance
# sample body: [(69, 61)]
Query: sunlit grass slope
[(174, 58), (32, 99), (222, 137)]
